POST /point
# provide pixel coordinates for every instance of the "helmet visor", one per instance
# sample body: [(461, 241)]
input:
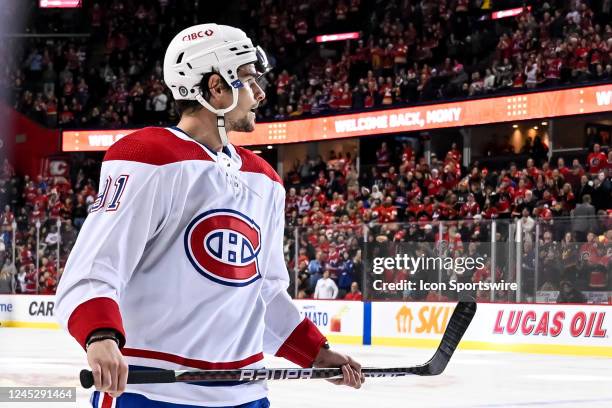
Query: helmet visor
[(262, 65)]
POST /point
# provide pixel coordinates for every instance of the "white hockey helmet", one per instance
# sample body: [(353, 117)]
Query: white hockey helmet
[(205, 48)]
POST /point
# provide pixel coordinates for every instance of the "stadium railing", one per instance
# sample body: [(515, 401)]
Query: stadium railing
[(535, 261)]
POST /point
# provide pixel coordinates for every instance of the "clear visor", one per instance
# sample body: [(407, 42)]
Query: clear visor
[(262, 65)]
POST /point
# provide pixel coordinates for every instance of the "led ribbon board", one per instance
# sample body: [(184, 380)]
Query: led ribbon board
[(514, 108)]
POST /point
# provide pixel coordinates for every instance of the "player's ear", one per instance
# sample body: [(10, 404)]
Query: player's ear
[(216, 86)]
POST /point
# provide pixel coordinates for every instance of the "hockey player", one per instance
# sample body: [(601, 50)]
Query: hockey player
[(179, 264)]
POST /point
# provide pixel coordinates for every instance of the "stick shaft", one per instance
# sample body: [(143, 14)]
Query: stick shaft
[(457, 325), (246, 375)]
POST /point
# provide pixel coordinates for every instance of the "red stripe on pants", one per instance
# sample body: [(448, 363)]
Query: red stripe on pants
[(107, 402)]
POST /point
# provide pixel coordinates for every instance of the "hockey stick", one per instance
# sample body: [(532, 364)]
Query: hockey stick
[(457, 325)]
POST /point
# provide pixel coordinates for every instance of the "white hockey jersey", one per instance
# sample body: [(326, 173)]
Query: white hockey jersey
[(182, 254)]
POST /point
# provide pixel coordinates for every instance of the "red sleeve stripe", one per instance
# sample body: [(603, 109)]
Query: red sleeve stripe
[(189, 362), (303, 345), (95, 314)]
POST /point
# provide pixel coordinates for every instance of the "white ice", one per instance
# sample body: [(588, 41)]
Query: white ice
[(473, 379)]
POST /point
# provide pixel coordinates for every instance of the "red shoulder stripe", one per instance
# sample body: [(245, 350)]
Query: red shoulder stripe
[(255, 164), (156, 146)]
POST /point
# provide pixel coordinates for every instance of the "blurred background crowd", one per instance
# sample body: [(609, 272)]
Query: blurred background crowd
[(408, 52)]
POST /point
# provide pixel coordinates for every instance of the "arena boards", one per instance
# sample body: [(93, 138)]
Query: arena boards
[(523, 328)]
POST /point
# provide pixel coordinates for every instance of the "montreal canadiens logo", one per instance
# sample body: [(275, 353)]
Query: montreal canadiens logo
[(223, 246)]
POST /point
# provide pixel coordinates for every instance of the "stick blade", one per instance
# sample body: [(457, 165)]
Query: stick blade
[(457, 325)]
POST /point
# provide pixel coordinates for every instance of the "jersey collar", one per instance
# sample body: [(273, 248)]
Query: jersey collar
[(229, 150), (210, 151)]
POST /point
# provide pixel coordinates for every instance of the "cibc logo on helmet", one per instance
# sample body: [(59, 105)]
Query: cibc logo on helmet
[(199, 34), (223, 245)]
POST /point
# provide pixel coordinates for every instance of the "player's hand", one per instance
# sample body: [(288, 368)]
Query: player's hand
[(110, 371), (351, 370)]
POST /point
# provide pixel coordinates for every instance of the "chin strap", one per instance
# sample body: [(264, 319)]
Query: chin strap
[(220, 113), (221, 129)]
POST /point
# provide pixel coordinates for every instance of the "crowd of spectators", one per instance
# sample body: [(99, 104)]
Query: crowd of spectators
[(409, 51), (422, 51), (43, 214), (405, 199)]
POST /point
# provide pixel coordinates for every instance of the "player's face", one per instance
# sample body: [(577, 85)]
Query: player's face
[(242, 117)]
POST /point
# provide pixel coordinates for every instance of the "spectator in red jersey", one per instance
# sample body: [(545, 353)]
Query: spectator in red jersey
[(455, 153), (433, 184), (47, 283), (7, 218), (575, 175), (470, 208), (355, 293), (567, 199), (388, 212), (383, 157), (38, 215), (291, 200), (561, 167), (553, 67), (597, 160)]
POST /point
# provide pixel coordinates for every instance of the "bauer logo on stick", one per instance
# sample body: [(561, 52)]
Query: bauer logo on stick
[(223, 246)]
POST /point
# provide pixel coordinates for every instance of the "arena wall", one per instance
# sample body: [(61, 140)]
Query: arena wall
[(527, 328), (27, 311)]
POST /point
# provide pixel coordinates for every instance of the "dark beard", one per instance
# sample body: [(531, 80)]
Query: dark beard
[(242, 125)]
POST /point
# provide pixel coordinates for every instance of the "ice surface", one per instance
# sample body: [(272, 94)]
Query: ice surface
[(473, 379)]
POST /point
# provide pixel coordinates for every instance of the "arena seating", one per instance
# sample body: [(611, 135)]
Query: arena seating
[(398, 198), (402, 198), (409, 52)]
